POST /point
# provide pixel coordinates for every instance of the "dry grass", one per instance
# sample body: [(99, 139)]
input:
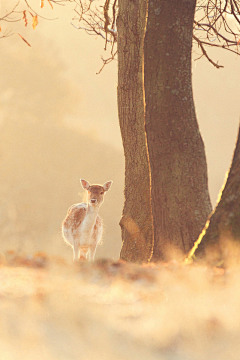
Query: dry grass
[(113, 310)]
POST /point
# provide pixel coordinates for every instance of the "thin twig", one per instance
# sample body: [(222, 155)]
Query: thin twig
[(205, 53)]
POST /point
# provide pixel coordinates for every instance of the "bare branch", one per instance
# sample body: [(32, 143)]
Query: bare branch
[(107, 61), (114, 15), (106, 22), (216, 32), (212, 26), (205, 53)]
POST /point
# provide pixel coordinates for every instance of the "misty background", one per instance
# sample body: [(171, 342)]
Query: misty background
[(59, 123)]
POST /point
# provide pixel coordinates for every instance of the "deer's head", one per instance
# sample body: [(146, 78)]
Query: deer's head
[(95, 192)]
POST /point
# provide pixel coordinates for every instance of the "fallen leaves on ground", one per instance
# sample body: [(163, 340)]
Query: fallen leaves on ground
[(51, 309)]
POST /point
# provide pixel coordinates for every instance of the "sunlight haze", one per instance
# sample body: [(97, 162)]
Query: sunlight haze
[(59, 123)]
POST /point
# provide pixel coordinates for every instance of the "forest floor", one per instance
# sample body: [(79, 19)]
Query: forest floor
[(115, 310)]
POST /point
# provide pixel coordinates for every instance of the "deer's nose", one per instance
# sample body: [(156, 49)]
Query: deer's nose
[(93, 201)]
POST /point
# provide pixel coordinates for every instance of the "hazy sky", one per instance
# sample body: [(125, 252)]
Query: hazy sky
[(216, 91)]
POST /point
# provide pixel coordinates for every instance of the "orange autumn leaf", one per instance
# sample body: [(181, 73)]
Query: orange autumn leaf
[(238, 42), (42, 3), (50, 4), (34, 22), (24, 39), (0, 28), (25, 17)]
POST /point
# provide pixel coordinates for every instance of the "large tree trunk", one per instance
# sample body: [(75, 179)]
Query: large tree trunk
[(180, 197), (136, 222), (217, 242)]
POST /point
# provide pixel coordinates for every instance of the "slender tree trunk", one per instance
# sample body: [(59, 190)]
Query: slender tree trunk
[(136, 222), (217, 242), (180, 197)]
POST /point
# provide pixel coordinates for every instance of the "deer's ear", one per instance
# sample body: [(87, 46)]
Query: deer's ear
[(85, 184), (107, 185)]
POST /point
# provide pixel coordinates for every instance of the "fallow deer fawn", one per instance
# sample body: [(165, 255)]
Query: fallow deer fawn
[(82, 227)]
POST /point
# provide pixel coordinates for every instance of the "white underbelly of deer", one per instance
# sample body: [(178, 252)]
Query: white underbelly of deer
[(82, 227)]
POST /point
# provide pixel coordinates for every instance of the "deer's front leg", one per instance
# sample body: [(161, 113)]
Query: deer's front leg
[(92, 252), (75, 251)]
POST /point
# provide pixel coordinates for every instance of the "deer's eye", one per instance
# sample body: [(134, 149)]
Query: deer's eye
[(102, 192)]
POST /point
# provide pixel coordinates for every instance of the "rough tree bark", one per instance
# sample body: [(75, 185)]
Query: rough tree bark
[(136, 222), (180, 197), (217, 242)]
